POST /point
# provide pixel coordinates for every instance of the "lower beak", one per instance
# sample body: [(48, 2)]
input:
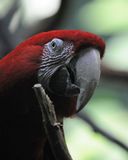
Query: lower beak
[(87, 69)]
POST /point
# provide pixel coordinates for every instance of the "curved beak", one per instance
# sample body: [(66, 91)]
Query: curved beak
[(87, 69), (78, 77)]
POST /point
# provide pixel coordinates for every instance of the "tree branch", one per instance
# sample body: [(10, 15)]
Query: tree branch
[(97, 129), (51, 126), (112, 74)]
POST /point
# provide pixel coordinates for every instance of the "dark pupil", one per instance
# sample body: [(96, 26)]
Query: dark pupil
[(53, 44)]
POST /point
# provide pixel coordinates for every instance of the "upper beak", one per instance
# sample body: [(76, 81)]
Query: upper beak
[(87, 69)]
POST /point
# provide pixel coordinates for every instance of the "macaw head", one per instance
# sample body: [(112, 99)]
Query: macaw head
[(70, 67), (65, 62)]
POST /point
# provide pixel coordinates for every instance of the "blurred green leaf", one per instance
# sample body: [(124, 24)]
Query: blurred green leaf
[(116, 55), (108, 111), (85, 144), (104, 16)]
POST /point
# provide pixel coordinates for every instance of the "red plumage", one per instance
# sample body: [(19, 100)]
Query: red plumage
[(22, 136)]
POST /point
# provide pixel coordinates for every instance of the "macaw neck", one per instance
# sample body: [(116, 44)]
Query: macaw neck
[(64, 106), (18, 99), (19, 65)]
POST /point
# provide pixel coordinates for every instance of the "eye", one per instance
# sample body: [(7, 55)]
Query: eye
[(56, 45), (53, 44)]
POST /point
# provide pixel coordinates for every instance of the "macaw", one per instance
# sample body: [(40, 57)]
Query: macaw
[(67, 64)]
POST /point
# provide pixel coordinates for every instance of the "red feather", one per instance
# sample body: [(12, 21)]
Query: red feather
[(20, 118), (24, 60)]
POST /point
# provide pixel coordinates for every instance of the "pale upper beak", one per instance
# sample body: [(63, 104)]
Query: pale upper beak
[(87, 75)]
